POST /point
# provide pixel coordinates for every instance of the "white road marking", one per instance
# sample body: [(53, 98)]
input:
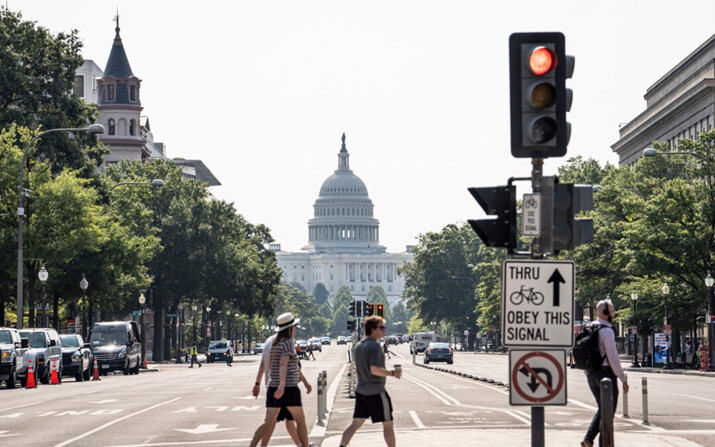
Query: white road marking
[(417, 420), (445, 398), (105, 401), (203, 429), (109, 424), (209, 388), (4, 434), (21, 406)]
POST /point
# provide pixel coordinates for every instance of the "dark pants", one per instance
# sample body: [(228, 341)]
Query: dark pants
[(194, 358), (594, 382)]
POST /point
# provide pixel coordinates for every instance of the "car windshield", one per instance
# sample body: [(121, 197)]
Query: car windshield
[(259, 345), (69, 341), (108, 338), (5, 337), (439, 345), (218, 345), (36, 339)]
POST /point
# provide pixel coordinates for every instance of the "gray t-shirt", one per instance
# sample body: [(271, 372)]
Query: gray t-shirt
[(369, 353)]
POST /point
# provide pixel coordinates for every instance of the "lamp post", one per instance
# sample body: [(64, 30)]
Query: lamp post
[(666, 291), (156, 183), (208, 326), (193, 311), (235, 329), (180, 338), (43, 275), (711, 331), (95, 129), (635, 364), (142, 301), (83, 285)]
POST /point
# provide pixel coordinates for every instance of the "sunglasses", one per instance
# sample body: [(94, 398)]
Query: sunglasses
[(381, 327)]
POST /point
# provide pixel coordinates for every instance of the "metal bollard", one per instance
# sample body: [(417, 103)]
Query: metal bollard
[(645, 401), (320, 400), (625, 403), (607, 412), (414, 357), (325, 393)]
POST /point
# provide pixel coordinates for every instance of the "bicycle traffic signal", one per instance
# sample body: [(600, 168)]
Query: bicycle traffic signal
[(499, 201), (538, 69)]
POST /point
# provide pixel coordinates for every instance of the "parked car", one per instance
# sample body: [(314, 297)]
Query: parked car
[(325, 340), (343, 340), (44, 347), (258, 348), (116, 347), (77, 358), (217, 351), (316, 343), (12, 355), (439, 352)]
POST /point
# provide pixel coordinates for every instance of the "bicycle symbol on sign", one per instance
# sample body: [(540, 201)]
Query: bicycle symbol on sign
[(531, 202), (535, 298)]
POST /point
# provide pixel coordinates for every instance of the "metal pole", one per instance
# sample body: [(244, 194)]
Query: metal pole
[(645, 401), (625, 403), (44, 305), (143, 335), (635, 363), (711, 329), (325, 394), (320, 399), (607, 412), (537, 427), (194, 327)]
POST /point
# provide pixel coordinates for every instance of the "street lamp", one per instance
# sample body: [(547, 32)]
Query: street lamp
[(711, 331), (666, 291), (142, 301), (156, 183), (83, 285), (180, 308), (650, 152), (95, 129), (43, 275), (193, 311), (208, 327), (635, 364)]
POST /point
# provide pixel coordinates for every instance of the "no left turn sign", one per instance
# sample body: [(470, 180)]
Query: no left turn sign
[(537, 377)]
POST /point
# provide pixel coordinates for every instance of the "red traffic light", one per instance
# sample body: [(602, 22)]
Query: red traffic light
[(541, 61)]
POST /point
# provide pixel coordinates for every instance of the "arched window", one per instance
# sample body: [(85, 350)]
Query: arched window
[(112, 127), (133, 127)]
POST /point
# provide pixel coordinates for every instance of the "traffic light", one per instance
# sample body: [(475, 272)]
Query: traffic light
[(499, 201), (351, 308), (568, 201), (380, 310), (351, 325), (538, 69), (369, 310)]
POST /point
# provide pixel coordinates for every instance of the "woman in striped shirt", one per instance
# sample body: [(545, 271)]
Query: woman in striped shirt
[(285, 375)]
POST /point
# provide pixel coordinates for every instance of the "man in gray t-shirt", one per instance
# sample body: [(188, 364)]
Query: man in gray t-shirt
[(371, 399)]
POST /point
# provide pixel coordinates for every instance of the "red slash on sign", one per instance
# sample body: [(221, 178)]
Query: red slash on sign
[(540, 368)]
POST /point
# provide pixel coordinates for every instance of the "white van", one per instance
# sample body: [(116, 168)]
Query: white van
[(420, 340)]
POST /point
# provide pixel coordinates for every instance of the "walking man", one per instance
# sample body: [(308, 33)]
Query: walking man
[(610, 368), (229, 355), (371, 399), (194, 356)]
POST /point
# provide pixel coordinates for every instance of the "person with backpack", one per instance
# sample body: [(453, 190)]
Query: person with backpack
[(609, 365)]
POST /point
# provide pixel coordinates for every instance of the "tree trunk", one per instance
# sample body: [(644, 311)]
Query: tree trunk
[(158, 353)]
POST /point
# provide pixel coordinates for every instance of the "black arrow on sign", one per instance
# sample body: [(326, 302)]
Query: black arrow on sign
[(556, 278), (533, 385)]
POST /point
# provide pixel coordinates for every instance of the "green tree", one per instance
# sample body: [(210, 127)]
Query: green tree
[(340, 310), (320, 293)]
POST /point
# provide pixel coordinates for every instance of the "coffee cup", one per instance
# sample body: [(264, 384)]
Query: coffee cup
[(398, 367)]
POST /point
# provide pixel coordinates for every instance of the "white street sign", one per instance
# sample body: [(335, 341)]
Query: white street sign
[(531, 219), (537, 303), (537, 377)]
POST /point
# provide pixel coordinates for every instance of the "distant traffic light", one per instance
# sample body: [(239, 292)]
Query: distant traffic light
[(351, 325), (380, 310), (501, 202), (351, 308), (568, 231), (538, 70), (369, 310)]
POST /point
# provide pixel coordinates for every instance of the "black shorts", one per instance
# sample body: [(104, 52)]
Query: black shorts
[(284, 414), (377, 407), (290, 398)]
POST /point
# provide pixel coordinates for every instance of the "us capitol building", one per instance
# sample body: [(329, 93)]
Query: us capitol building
[(344, 242)]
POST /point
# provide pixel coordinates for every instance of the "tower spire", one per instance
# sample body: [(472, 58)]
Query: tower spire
[(343, 156), (116, 19)]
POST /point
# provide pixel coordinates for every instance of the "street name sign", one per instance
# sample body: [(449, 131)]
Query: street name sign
[(537, 378), (537, 303)]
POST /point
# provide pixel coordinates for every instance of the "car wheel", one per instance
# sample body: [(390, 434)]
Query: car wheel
[(23, 382), (449, 362), (126, 371), (426, 360), (12, 380)]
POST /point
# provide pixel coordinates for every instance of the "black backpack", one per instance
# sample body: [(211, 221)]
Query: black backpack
[(586, 354)]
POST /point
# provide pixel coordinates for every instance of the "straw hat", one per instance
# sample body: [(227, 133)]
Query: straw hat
[(286, 320)]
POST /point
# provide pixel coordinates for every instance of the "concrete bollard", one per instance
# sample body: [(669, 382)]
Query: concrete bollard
[(607, 412), (319, 386), (625, 403), (645, 401), (325, 393)]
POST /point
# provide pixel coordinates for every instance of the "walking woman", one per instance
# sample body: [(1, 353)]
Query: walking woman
[(283, 391)]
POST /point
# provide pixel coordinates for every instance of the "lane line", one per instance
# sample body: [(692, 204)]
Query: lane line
[(425, 385), (417, 420), (108, 424), (20, 406), (429, 390)]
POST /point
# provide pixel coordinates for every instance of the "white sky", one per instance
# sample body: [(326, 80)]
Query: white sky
[(261, 91)]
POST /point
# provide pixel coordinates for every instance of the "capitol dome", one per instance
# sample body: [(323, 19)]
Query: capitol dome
[(342, 215)]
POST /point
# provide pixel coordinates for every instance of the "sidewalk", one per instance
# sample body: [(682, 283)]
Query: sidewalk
[(502, 438)]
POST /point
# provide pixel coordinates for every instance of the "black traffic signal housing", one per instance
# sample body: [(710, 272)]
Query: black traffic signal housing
[(567, 230), (380, 310), (351, 308), (501, 202), (538, 69), (369, 310), (351, 325)]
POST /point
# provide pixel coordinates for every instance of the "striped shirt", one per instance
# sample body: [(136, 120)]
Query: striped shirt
[(278, 350)]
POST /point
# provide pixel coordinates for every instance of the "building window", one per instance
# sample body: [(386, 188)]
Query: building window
[(110, 92), (112, 127), (78, 89), (133, 127), (133, 93), (331, 276)]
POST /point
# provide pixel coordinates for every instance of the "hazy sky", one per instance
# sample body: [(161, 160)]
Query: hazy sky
[(261, 91)]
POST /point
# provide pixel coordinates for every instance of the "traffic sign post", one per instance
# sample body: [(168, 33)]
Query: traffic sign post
[(537, 378), (537, 303)]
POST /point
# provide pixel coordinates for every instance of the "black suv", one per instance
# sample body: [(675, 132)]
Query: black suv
[(12, 351), (76, 357), (116, 347)]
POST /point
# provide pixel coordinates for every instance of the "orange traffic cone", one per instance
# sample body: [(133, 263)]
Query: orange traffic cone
[(145, 365), (30, 376), (95, 372), (54, 378)]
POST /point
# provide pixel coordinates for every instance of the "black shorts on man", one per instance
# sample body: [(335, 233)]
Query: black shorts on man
[(284, 414), (290, 398), (377, 407)]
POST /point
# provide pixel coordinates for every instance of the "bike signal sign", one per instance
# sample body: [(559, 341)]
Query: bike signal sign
[(537, 303)]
